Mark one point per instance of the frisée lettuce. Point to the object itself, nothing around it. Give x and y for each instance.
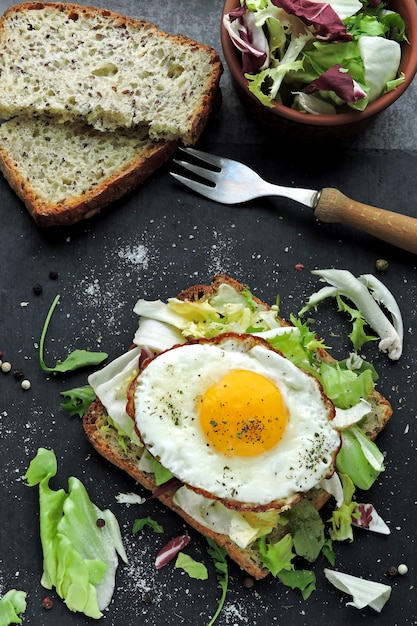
(315, 56)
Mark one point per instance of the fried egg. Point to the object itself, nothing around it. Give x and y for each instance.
(235, 420)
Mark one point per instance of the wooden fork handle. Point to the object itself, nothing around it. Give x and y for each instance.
(395, 228)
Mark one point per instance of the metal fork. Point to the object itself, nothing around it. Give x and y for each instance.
(231, 182)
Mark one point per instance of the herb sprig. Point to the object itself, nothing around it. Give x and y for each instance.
(76, 359)
(218, 556)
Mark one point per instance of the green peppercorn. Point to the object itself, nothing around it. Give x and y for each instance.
(381, 265)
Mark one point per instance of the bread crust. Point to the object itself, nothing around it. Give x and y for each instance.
(76, 208)
(105, 441)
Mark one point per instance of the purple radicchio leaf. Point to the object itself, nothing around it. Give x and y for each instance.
(326, 23)
(365, 516)
(146, 355)
(170, 550)
(337, 79)
(172, 483)
(248, 38)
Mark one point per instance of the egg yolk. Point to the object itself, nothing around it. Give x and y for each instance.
(243, 414)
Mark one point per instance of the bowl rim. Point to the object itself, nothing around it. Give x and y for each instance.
(409, 62)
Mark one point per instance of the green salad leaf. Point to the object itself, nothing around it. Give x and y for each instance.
(80, 399)
(359, 458)
(80, 542)
(218, 556)
(341, 518)
(139, 524)
(304, 580)
(11, 605)
(300, 347)
(306, 528)
(278, 557)
(192, 567)
(161, 474)
(345, 387)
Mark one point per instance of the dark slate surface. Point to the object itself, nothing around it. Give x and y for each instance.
(152, 244)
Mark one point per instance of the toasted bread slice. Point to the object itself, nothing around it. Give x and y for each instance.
(104, 439)
(74, 62)
(67, 172)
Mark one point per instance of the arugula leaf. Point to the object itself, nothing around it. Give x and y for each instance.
(305, 580)
(75, 360)
(139, 524)
(218, 555)
(80, 399)
(193, 568)
(328, 552)
(306, 528)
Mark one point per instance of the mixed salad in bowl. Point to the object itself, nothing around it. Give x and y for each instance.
(318, 57)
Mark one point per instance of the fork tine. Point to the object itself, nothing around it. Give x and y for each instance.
(203, 172)
(205, 156)
(201, 188)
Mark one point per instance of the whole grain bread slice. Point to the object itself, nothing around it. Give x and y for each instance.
(68, 172)
(74, 62)
(104, 438)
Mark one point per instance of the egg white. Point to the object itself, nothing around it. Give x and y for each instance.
(167, 420)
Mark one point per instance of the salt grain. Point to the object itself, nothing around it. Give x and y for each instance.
(137, 255)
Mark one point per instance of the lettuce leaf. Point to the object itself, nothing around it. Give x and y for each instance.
(359, 458)
(345, 387)
(192, 567)
(11, 604)
(79, 555)
(341, 518)
(300, 347)
(278, 557)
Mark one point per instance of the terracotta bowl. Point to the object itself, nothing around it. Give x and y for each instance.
(289, 123)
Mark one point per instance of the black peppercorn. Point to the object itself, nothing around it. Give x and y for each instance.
(37, 289)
